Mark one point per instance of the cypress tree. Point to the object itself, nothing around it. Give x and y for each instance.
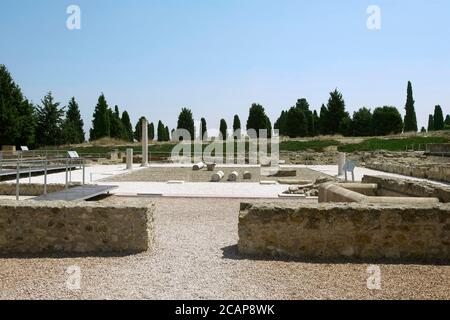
(236, 127)
(438, 118)
(447, 120)
(101, 125)
(167, 133)
(257, 118)
(73, 131)
(117, 130)
(151, 131)
(161, 131)
(223, 129)
(430, 123)
(335, 112)
(410, 122)
(203, 129)
(127, 126)
(186, 121)
(323, 118)
(49, 122)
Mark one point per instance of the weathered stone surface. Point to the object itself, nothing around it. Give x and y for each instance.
(31, 189)
(198, 166)
(345, 230)
(284, 173)
(233, 176)
(408, 187)
(329, 192)
(73, 227)
(216, 177)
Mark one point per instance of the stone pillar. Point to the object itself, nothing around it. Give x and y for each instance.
(144, 140)
(129, 159)
(341, 163)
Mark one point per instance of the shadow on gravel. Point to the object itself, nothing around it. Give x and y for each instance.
(67, 255)
(231, 252)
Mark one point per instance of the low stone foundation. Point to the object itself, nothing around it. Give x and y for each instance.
(389, 186)
(338, 230)
(31, 189)
(85, 227)
(438, 172)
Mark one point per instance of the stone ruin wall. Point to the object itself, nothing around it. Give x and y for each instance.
(345, 230)
(73, 227)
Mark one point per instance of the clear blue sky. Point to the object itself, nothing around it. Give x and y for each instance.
(153, 57)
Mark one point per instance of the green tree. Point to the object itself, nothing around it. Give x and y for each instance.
(101, 125)
(296, 124)
(323, 120)
(280, 123)
(167, 133)
(223, 129)
(438, 118)
(127, 126)
(430, 123)
(186, 121)
(346, 126)
(17, 115)
(410, 122)
(335, 112)
(203, 129)
(49, 122)
(237, 127)
(268, 127)
(151, 131)
(447, 120)
(116, 128)
(27, 124)
(73, 124)
(362, 122)
(386, 120)
(161, 132)
(138, 130)
(316, 123)
(257, 118)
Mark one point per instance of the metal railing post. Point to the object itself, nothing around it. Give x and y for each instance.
(67, 176)
(17, 180)
(45, 175)
(84, 170)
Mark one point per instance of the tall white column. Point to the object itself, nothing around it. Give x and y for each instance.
(341, 163)
(144, 143)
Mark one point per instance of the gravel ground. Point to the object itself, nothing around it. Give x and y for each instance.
(164, 174)
(195, 258)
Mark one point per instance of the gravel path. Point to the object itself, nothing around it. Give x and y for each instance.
(195, 258)
(164, 174)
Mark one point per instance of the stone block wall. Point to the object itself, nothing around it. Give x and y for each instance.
(389, 185)
(31, 189)
(338, 230)
(73, 227)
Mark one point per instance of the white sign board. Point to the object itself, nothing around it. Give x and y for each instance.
(24, 148)
(73, 154)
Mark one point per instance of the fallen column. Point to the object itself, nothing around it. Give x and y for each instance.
(233, 176)
(216, 177)
(198, 166)
(247, 175)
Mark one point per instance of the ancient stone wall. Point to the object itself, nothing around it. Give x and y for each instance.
(73, 227)
(337, 230)
(389, 186)
(438, 172)
(31, 189)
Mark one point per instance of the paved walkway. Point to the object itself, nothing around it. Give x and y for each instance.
(95, 173)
